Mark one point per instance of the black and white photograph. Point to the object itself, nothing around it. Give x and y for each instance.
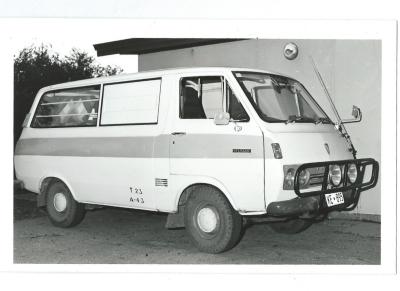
(262, 146)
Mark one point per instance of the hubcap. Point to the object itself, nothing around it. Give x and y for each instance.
(207, 219)
(60, 202)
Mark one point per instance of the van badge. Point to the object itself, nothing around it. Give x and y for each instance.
(241, 151)
(327, 148)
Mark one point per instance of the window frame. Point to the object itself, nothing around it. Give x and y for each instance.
(255, 106)
(66, 89)
(130, 81)
(225, 102)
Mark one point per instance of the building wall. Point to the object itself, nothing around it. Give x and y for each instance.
(351, 70)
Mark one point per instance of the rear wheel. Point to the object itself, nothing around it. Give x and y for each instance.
(211, 222)
(62, 209)
(291, 226)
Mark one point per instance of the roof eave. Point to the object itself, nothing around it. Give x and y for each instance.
(138, 46)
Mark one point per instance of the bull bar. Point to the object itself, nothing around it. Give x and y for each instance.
(313, 201)
(345, 186)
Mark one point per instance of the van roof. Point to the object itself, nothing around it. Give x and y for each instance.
(150, 74)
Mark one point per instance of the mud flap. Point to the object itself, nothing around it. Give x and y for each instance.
(176, 220)
(41, 199)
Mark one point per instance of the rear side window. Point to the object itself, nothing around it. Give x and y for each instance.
(131, 102)
(68, 108)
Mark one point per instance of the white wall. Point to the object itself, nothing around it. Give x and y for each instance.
(351, 69)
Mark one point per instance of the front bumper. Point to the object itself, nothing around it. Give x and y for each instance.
(310, 206)
(314, 203)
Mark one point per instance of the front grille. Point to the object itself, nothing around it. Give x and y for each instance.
(316, 176)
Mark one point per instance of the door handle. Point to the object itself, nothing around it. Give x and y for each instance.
(178, 133)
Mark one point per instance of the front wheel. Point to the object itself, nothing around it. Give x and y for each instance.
(62, 209)
(291, 226)
(211, 222)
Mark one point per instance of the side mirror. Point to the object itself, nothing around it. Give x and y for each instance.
(356, 112)
(222, 118)
(357, 115)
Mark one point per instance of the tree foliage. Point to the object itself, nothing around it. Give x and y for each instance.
(37, 66)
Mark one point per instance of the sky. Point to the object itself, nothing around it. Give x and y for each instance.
(74, 37)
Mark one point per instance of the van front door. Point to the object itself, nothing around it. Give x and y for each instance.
(229, 156)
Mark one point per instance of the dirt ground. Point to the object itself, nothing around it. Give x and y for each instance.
(120, 236)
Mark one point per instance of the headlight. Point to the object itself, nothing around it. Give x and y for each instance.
(335, 175)
(304, 177)
(352, 173)
(289, 179)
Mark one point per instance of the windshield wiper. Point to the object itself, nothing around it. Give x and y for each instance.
(292, 119)
(295, 118)
(322, 120)
(275, 85)
(270, 119)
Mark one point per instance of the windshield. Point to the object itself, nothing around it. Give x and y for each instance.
(280, 99)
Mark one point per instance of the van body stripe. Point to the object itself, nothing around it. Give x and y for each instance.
(189, 146)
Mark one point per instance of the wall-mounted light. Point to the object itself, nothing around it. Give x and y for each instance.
(290, 51)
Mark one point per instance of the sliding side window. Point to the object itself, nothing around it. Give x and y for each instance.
(68, 108)
(133, 102)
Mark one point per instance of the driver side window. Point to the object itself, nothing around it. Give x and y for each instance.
(204, 97)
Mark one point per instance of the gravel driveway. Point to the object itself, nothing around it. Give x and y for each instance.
(120, 236)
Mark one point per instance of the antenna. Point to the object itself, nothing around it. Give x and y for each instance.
(326, 92)
(339, 125)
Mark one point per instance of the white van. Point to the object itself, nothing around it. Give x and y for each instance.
(209, 146)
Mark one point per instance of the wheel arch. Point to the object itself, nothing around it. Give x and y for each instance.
(44, 185)
(176, 218)
(191, 188)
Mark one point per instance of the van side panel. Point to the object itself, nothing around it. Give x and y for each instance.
(110, 165)
(102, 167)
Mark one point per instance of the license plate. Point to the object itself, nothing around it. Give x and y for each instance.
(333, 199)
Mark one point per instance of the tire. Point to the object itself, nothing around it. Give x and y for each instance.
(62, 209)
(291, 226)
(211, 222)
